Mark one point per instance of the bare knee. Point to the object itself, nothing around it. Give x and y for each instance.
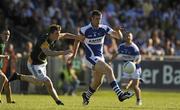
(5, 80)
(3, 77)
(108, 69)
(47, 82)
(6, 85)
(102, 67)
(135, 86)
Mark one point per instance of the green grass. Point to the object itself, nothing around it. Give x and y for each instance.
(102, 100)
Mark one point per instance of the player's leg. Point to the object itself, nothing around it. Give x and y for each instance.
(135, 85)
(95, 84)
(39, 72)
(97, 80)
(43, 81)
(31, 79)
(5, 84)
(125, 83)
(129, 84)
(51, 90)
(39, 77)
(8, 92)
(2, 81)
(137, 90)
(27, 78)
(102, 67)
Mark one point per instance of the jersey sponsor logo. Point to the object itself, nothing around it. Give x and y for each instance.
(95, 40)
(90, 35)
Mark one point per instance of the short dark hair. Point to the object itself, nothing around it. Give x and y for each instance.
(54, 27)
(95, 13)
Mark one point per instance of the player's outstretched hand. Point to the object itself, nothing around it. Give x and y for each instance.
(121, 28)
(7, 57)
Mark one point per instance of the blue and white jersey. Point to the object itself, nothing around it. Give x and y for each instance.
(129, 52)
(94, 41)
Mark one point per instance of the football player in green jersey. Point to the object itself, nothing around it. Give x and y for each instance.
(38, 59)
(4, 37)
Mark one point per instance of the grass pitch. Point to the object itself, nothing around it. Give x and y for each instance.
(102, 100)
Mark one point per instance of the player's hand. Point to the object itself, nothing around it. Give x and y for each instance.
(121, 28)
(7, 57)
(80, 38)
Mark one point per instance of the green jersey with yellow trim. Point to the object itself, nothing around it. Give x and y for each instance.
(37, 55)
(2, 48)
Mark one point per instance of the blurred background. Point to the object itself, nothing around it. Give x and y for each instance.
(155, 25)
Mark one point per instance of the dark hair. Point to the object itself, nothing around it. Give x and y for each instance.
(54, 27)
(95, 13)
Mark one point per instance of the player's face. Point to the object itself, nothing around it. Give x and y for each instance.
(5, 35)
(96, 20)
(56, 34)
(129, 38)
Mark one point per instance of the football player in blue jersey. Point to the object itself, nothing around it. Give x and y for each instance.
(94, 34)
(129, 51)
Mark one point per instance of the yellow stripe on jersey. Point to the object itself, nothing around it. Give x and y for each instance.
(45, 45)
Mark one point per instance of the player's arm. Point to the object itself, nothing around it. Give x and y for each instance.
(117, 33)
(75, 48)
(137, 59)
(47, 51)
(4, 56)
(71, 36)
(76, 44)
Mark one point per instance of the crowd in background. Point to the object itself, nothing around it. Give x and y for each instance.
(154, 23)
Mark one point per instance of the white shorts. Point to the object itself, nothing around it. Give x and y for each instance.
(91, 61)
(39, 71)
(135, 75)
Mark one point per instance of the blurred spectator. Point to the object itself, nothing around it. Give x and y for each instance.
(30, 17)
(147, 48)
(27, 50)
(177, 52)
(168, 46)
(69, 76)
(157, 43)
(9, 66)
(147, 7)
(110, 47)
